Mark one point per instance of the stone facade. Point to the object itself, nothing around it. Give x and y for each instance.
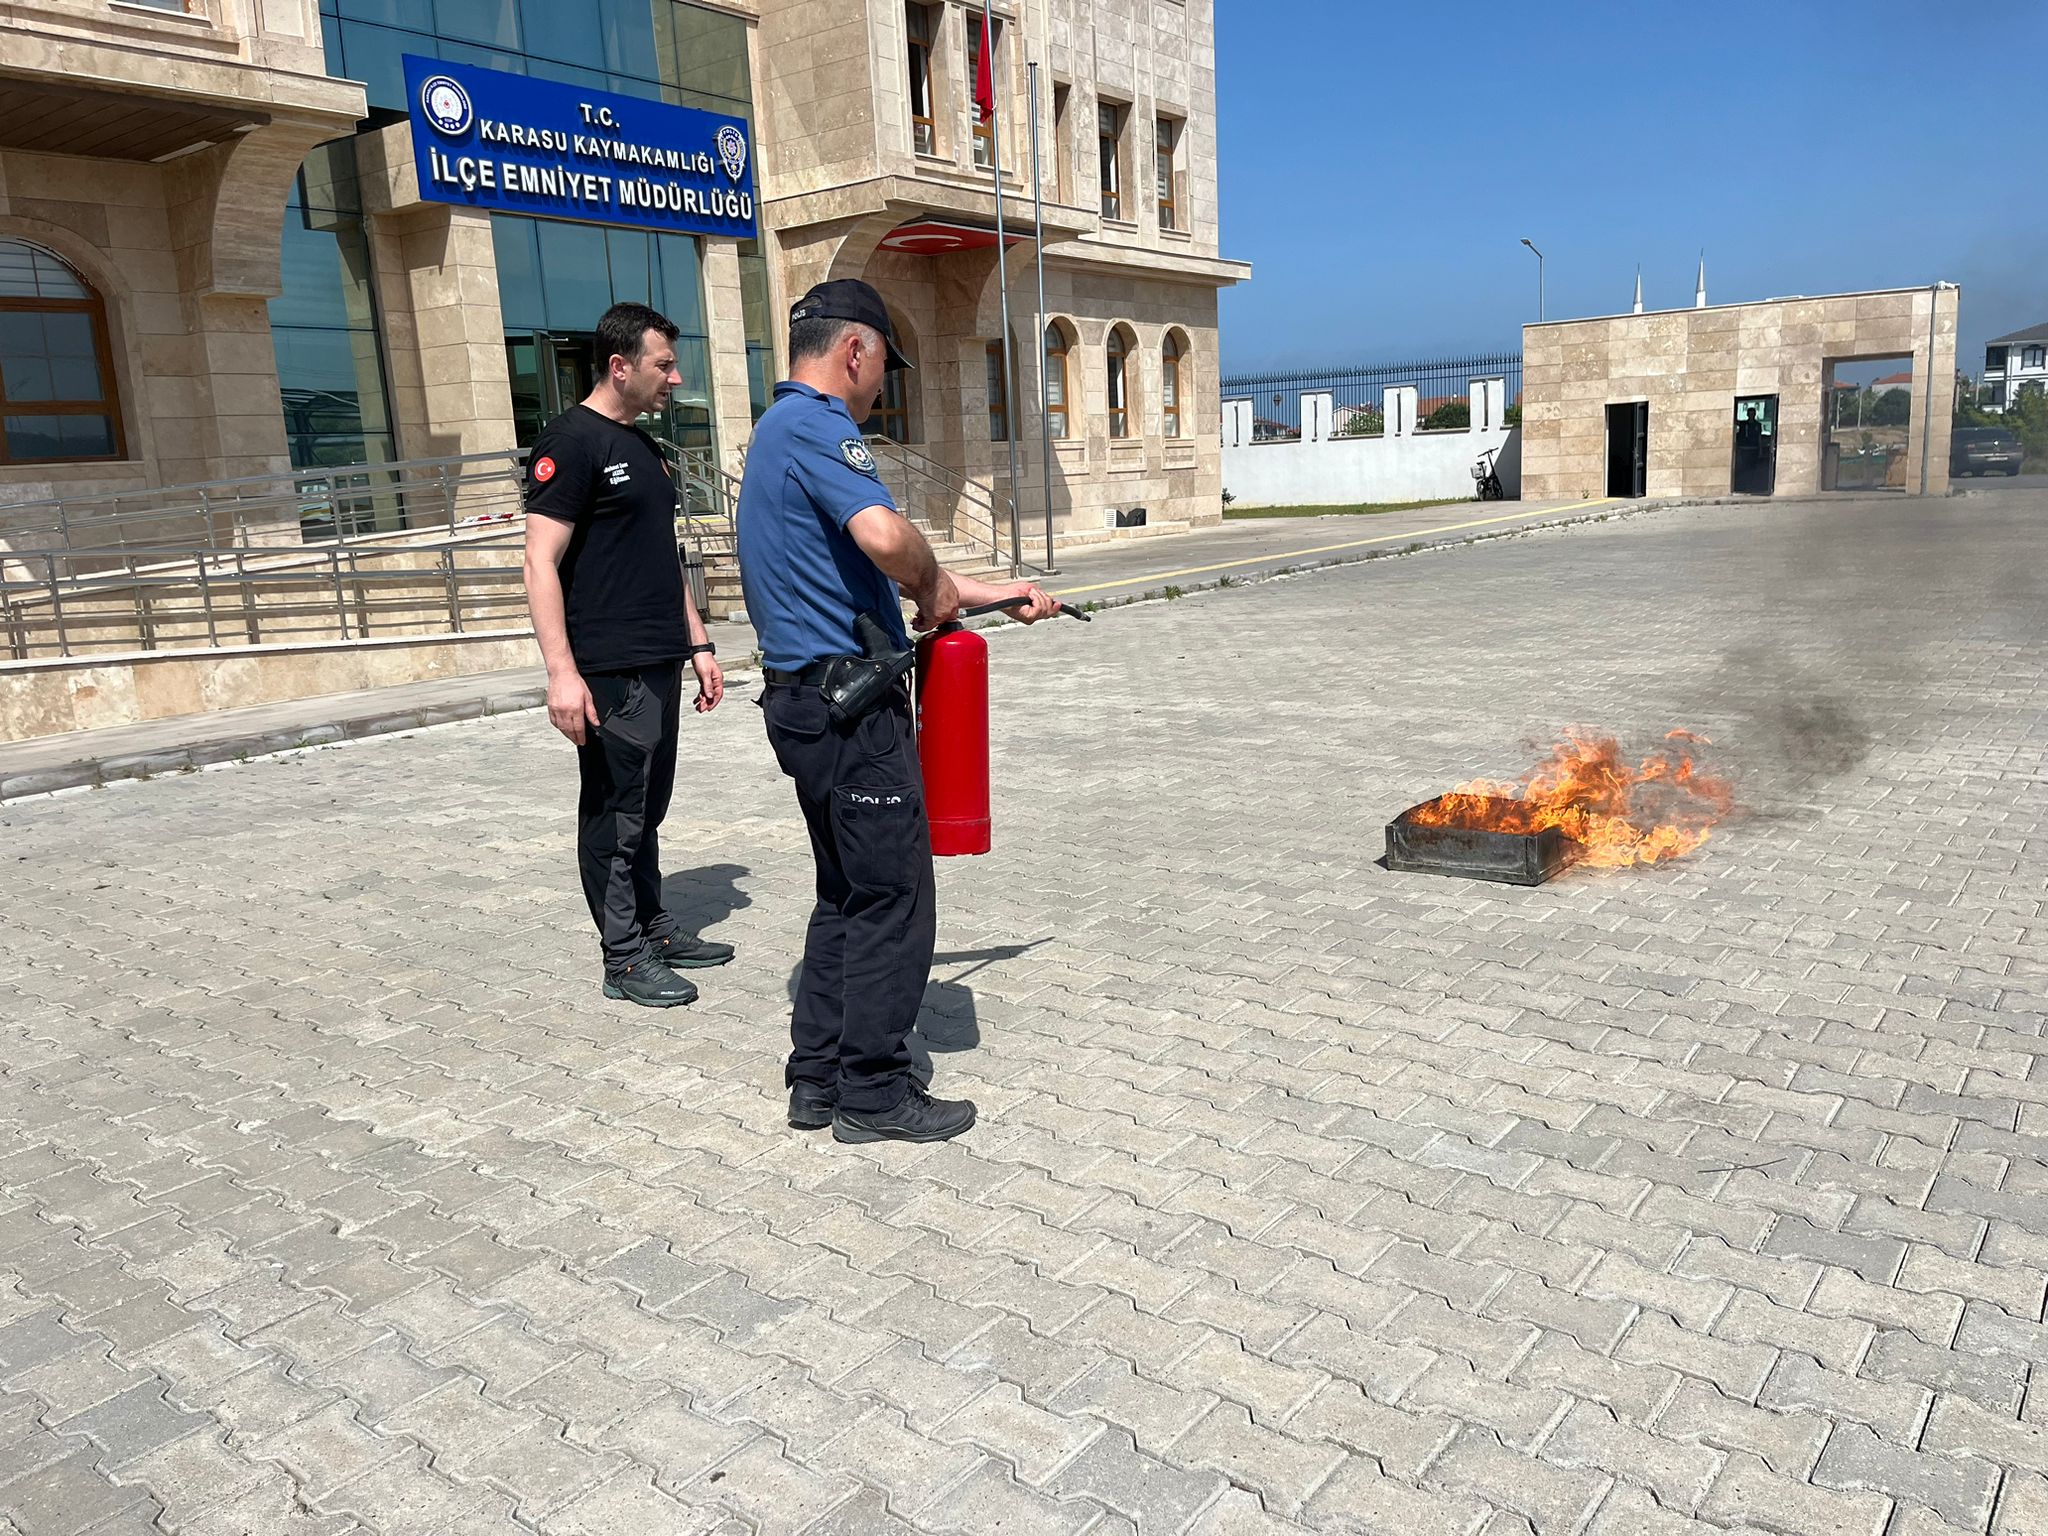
(185, 253)
(1690, 366)
(199, 120)
(842, 171)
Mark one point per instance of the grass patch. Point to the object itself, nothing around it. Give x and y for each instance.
(1361, 509)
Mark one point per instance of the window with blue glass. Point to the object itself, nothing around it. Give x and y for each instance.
(628, 46)
(556, 278)
(330, 364)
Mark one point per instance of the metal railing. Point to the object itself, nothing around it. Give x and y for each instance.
(281, 510)
(421, 547)
(964, 510)
(1357, 392)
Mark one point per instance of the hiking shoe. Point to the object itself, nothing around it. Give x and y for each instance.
(686, 951)
(919, 1117)
(811, 1106)
(650, 984)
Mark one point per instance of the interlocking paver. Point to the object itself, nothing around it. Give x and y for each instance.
(1304, 1197)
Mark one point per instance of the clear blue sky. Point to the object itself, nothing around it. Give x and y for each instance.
(1381, 162)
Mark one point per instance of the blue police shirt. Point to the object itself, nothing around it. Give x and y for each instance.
(808, 473)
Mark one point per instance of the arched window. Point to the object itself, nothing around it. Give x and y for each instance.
(999, 393)
(1118, 354)
(1056, 346)
(56, 369)
(1171, 350)
(891, 416)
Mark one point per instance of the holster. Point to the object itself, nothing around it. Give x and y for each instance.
(858, 685)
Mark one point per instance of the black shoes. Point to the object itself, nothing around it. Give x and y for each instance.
(811, 1107)
(650, 984)
(918, 1117)
(684, 951)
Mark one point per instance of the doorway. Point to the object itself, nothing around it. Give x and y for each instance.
(549, 372)
(1754, 471)
(553, 370)
(565, 370)
(1628, 448)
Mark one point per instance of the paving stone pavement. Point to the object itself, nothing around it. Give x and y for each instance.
(1306, 1196)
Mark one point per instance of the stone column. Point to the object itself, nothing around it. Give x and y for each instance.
(1397, 409)
(1237, 423)
(1318, 415)
(725, 319)
(437, 296)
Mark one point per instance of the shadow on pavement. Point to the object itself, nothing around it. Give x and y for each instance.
(947, 1020)
(701, 898)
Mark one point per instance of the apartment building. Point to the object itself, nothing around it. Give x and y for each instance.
(2012, 363)
(241, 235)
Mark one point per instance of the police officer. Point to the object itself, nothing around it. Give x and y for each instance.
(821, 542)
(615, 622)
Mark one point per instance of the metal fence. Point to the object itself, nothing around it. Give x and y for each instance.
(430, 546)
(1356, 392)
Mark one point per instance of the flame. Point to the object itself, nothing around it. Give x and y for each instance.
(1660, 809)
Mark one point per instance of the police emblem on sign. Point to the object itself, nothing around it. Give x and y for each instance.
(447, 106)
(732, 151)
(855, 452)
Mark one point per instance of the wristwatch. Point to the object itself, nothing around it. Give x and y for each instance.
(703, 648)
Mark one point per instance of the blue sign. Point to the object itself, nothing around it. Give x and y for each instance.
(482, 138)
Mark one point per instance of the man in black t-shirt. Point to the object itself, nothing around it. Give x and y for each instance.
(614, 620)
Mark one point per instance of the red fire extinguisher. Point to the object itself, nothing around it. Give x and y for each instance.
(952, 730)
(952, 737)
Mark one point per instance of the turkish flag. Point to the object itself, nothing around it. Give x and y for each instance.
(985, 74)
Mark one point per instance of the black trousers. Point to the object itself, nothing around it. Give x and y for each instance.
(868, 953)
(627, 765)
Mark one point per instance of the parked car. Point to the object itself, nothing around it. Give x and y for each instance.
(1984, 451)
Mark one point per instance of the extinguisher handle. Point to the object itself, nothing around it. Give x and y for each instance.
(1011, 602)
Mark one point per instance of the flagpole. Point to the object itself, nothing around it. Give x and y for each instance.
(995, 141)
(1038, 319)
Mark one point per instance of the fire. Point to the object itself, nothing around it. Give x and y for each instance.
(1659, 809)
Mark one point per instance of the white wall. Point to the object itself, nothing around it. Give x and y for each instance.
(1427, 466)
(1322, 470)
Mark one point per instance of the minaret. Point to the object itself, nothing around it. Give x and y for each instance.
(1699, 292)
(1639, 289)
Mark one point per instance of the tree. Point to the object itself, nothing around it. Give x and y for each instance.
(1452, 413)
(1889, 408)
(1363, 422)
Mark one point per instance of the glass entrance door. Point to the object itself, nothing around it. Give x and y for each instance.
(565, 370)
(1754, 471)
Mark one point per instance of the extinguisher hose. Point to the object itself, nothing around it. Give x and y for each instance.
(1013, 602)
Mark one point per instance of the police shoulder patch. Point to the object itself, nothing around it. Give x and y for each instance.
(855, 452)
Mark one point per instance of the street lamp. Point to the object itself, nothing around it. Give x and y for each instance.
(1539, 278)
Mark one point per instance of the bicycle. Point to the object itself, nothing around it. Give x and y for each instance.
(1490, 488)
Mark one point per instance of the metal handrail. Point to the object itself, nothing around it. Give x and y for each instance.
(337, 592)
(960, 487)
(411, 494)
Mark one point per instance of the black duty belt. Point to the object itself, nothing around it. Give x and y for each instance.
(812, 676)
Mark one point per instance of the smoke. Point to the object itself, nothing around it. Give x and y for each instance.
(1786, 729)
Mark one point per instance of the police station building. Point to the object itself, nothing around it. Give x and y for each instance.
(236, 238)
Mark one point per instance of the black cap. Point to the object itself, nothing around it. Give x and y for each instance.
(848, 298)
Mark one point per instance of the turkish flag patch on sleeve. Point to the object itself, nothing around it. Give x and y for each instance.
(543, 469)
